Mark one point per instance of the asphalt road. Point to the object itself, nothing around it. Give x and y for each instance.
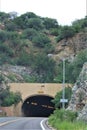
(21, 123)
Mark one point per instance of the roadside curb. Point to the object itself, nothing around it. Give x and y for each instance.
(45, 126)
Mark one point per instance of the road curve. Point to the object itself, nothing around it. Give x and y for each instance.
(21, 123)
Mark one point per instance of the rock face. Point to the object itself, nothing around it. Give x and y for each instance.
(68, 48)
(14, 73)
(79, 97)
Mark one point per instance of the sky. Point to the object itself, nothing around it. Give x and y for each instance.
(64, 11)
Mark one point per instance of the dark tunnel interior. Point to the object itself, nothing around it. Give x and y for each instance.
(38, 106)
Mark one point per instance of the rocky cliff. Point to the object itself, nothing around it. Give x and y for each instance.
(16, 73)
(79, 95)
(68, 48)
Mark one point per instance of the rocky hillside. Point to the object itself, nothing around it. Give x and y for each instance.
(79, 97)
(38, 44)
(69, 48)
(16, 74)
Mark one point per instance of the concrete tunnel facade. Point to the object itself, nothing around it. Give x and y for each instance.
(36, 98)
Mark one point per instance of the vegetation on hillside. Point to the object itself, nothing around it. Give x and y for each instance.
(66, 120)
(8, 98)
(59, 95)
(26, 40)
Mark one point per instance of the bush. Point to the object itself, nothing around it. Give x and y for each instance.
(72, 69)
(29, 33)
(66, 120)
(41, 40)
(4, 35)
(50, 23)
(8, 98)
(5, 49)
(49, 48)
(65, 115)
(44, 68)
(76, 66)
(56, 100)
(54, 31)
(22, 21)
(30, 78)
(80, 25)
(10, 26)
(1, 78)
(4, 59)
(35, 23)
(25, 59)
(65, 32)
(4, 17)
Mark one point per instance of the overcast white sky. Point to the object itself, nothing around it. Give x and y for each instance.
(65, 11)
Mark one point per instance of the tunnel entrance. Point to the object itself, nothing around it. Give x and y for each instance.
(38, 106)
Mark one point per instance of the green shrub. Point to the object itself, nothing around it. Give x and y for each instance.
(4, 35)
(30, 79)
(1, 78)
(65, 115)
(66, 120)
(5, 49)
(35, 23)
(50, 23)
(10, 26)
(4, 17)
(25, 59)
(44, 68)
(12, 77)
(49, 48)
(54, 31)
(72, 69)
(4, 58)
(80, 25)
(29, 33)
(76, 66)
(41, 40)
(56, 100)
(22, 21)
(9, 100)
(65, 32)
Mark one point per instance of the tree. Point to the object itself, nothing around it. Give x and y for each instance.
(13, 15)
(29, 20)
(4, 17)
(8, 98)
(80, 24)
(3, 36)
(50, 23)
(1, 78)
(44, 67)
(29, 33)
(58, 96)
(73, 69)
(25, 59)
(65, 32)
(35, 23)
(29, 15)
(10, 26)
(41, 40)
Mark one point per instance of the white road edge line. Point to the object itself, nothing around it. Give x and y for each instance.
(41, 123)
(7, 122)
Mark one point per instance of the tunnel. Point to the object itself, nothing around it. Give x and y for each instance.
(38, 106)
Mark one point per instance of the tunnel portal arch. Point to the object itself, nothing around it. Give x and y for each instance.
(38, 106)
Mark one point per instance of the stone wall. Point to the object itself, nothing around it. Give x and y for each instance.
(11, 111)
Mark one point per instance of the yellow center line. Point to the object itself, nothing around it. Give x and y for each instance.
(7, 122)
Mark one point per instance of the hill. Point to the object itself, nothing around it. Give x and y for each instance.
(39, 44)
